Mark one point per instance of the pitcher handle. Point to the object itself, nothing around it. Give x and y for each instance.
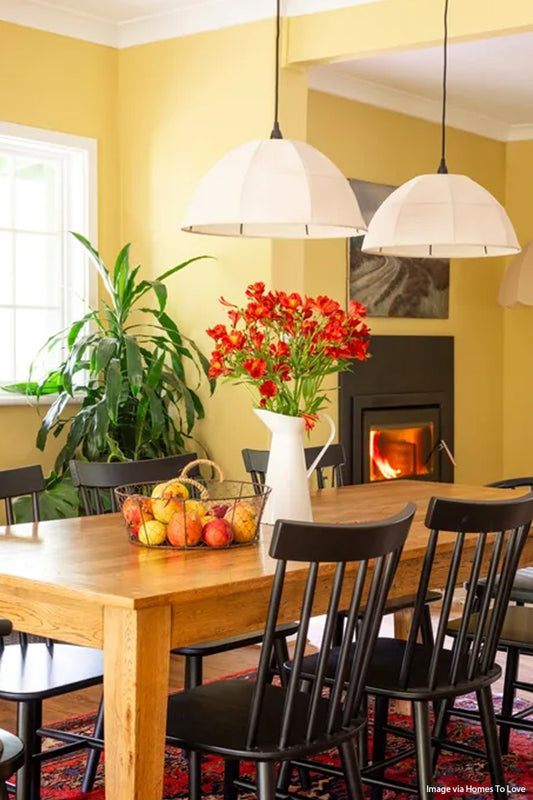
(331, 436)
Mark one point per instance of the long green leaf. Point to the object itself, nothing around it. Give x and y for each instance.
(134, 364)
(97, 261)
(120, 274)
(105, 350)
(54, 412)
(113, 388)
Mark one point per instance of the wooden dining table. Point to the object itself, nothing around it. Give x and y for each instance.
(82, 581)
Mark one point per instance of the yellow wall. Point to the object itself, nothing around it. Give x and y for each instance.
(517, 383)
(183, 104)
(163, 113)
(378, 145)
(65, 85)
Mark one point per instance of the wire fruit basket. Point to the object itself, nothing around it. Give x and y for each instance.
(187, 513)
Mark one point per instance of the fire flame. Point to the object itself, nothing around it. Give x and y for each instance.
(379, 460)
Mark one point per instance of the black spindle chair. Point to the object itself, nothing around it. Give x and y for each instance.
(266, 723)
(256, 463)
(11, 759)
(96, 481)
(407, 670)
(516, 639)
(32, 671)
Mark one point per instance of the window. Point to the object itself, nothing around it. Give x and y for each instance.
(47, 188)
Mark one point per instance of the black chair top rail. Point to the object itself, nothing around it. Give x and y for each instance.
(96, 479)
(513, 483)
(21, 481)
(362, 543)
(501, 528)
(256, 463)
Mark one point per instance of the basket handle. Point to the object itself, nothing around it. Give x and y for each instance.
(204, 494)
(184, 472)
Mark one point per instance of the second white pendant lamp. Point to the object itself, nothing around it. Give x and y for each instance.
(275, 188)
(441, 215)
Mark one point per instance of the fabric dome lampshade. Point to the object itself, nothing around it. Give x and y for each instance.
(441, 216)
(276, 188)
(516, 287)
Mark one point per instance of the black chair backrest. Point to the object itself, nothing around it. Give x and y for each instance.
(256, 463)
(18, 482)
(501, 528)
(513, 483)
(366, 556)
(96, 480)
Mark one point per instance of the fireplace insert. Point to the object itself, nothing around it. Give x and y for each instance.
(396, 411)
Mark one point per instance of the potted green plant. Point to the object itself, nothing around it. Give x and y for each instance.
(126, 379)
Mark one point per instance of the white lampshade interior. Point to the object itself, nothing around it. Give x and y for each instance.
(274, 188)
(441, 216)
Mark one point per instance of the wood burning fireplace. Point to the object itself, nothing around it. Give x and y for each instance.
(396, 411)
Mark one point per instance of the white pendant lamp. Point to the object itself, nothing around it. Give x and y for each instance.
(442, 215)
(516, 287)
(275, 188)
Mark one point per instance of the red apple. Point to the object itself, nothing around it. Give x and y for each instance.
(217, 533)
(219, 510)
(136, 510)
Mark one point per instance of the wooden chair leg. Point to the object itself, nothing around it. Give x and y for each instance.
(511, 676)
(490, 732)
(350, 767)
(379, 738)
(426, 629)
(29, 720)
(93, 757)
(423, 747)
(362, 739)
(3, 792)
(231, 773)
(266, 780)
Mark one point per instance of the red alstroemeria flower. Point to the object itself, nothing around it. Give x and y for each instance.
(310, 421)
(255, 312)
(217, 332)
(326, 305)
(291, 301)
(234, 316)
(255, 367)
(356, 309)
(217, 367)
(255, 290)
(268, 389)
(280, 350)
(235, 340)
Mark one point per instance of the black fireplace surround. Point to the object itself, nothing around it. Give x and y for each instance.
(408, 380)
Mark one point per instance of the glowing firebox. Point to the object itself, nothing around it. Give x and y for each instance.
(397, 451)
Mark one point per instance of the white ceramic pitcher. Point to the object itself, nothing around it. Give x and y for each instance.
(287, 474)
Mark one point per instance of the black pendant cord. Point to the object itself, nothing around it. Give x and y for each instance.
(276, 131)
(442, 166)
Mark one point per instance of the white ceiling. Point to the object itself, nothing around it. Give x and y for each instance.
(490, 85)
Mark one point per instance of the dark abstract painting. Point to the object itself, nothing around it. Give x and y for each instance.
(390, 286)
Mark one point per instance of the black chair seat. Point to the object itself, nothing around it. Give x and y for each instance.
(11, 754)
(39, 672)
(384, 672)
(234, 642)
(215, 718)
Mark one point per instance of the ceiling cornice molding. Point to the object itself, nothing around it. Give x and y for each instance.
(40, 15)
(341, 84)
(211, 15)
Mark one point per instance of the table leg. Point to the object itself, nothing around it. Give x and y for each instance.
(402, 623)
(136, 673)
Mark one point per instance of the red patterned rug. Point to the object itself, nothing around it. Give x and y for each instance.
(458, 776)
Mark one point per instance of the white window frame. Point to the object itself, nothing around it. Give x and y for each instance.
(83, 151)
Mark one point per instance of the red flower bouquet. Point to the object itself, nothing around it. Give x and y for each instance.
(282, 346)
